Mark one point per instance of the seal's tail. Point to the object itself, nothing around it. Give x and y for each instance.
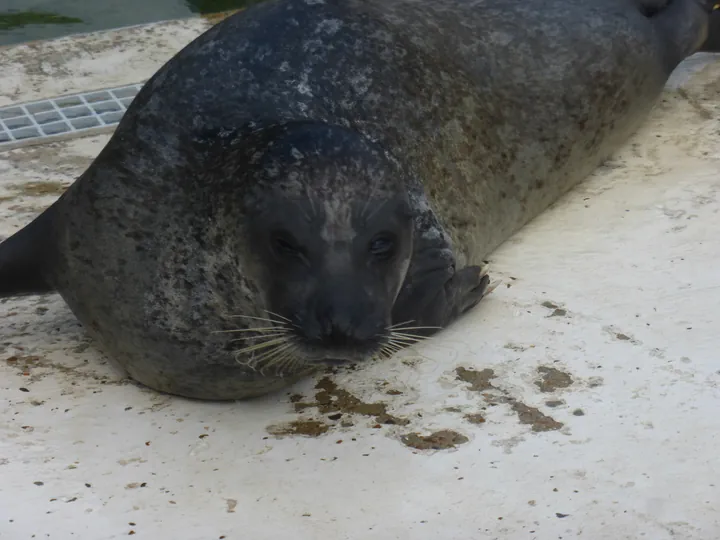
(24, 257)
(712, 43)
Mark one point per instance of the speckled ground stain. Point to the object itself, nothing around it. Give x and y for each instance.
(36, 368)
(480, 381)
(439, 440)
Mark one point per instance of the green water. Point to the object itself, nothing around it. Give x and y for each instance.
(28, 20)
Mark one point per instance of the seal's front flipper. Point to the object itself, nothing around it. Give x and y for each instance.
(24, 257)
(437, 296)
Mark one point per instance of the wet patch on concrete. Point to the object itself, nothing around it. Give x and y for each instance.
(517, 347)
(35, 368)
(439, 440)
(557, 310)
(40, 189)
(552, 379)
(214, 18)
(620, 335)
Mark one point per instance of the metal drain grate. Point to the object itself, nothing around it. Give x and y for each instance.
(65, 115)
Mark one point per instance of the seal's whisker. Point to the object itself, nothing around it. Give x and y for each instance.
(385, 352)
(260, 330)
(397, 345)
(400, 324)
(287, 323)
(393, 350)
(278, 362)
(403, 329)
(404, 344)
(265, 336)
(279, 347)
(281, 352)
(262, 345)
(277, 315)
(409, 337)
(266, 319)
(268, 359)
(287, 362)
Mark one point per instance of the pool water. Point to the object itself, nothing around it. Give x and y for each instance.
(29, 20)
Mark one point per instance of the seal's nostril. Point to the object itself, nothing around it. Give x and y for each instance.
(339, 338)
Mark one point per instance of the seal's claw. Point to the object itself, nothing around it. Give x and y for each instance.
(472, 283)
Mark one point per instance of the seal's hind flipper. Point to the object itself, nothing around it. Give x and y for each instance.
(24, 257)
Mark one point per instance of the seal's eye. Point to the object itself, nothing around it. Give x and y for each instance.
(284, 245)
(382, 246)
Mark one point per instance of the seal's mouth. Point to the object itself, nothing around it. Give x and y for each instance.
(333, 355)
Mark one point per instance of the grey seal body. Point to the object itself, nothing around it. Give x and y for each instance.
(309, 174)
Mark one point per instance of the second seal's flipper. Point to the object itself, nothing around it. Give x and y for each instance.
(682, 28)
(712, 43)
(25, 256)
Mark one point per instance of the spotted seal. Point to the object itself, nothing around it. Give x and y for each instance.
(318, 181)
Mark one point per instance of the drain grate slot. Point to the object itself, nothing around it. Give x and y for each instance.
(48, 119)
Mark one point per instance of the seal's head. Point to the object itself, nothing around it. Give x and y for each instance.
(331, 228)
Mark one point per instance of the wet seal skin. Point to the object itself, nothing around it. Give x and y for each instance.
(316, 182)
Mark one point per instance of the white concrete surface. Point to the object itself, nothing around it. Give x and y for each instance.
(627, 263)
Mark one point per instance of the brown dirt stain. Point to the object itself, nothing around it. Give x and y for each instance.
(439, 440)
(307, 428)
(475, 418)
(535, 418)
(479, 380)
(330, 399)
(552, 379)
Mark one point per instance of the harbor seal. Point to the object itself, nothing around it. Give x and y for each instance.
(318, 181)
